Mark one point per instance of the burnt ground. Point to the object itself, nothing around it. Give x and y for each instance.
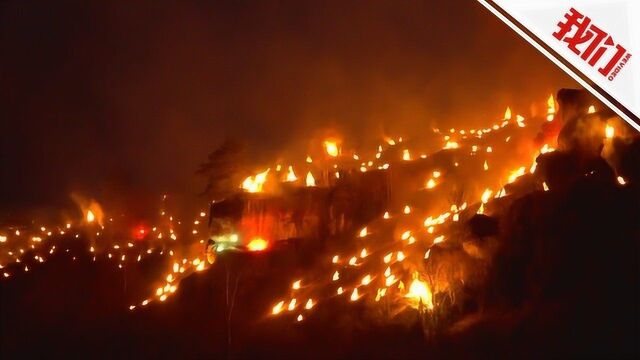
(564, 285)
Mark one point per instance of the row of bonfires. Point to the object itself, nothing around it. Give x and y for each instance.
(397, 225)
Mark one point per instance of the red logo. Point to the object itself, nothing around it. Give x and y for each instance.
(597, 44)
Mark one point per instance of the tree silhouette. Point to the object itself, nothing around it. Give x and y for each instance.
(223, 169)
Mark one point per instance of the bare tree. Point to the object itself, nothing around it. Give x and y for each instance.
(224, 169)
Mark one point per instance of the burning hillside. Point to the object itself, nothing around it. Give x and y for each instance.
(527, 224)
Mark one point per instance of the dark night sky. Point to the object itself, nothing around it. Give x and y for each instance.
(137, 95)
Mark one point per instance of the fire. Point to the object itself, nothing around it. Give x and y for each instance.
(609, 132)
(516, 174)
(451, 145)
(406, 210)
(485, 195)
(354, 294)
(551, 108)
(291, 176)
(363, 232)
(277, 309)
(485, 166)
(366, 280)
(310, 181)
(292, 304)
(591, 109)
(254, 184)
(419, 293)
(257, 244)
(406, 156)
(507, 114)
(296, 285)
(331, 147)
(621, 180)
(90, 216)
(309, 304)
(431, 184)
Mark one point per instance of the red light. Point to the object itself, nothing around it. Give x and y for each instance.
(140, 232)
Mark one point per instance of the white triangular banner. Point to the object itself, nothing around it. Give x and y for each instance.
(597, 42)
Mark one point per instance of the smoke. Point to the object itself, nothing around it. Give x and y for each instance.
(105, 98)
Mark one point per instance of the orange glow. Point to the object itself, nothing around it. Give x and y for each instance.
(310, 181)
(291, 176)
(254, 184)
(257, 244)
(331, 147)
(609, 132)
(507, 114)
(90, 216)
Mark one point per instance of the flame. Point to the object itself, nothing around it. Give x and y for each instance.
(507, 114)
(90, 216)
(451, 145)
(516, 174)
(485, 166)
(551, 108)
(406, 210)
(485, 195)
(309, 304)
(309, 159)
(296, 285)
(363, 232)
(354, 294)
(419, 293)
(310, 181)
(257, 244)
(331, 147)
(366, 280)
(291, 176)
(591, 109)
(621, 180)
(406, 156)
(431, 184)
(609, 131)
(277, 309)
(254, 184)
(336, 276)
